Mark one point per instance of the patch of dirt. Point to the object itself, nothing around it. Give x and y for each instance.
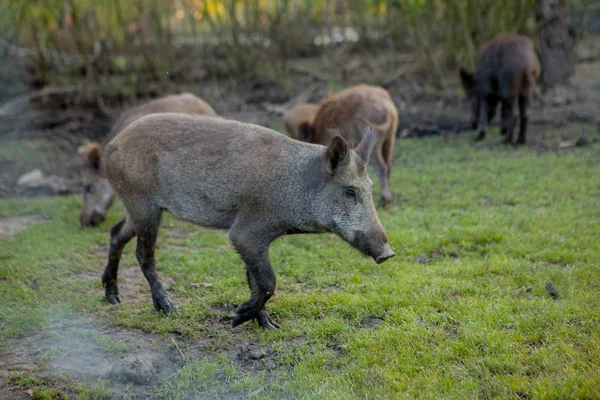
(370, 322)
(131, 361)
(10, 226)
(253, 356)
(7, 393)
(102, 250)
(333, 287)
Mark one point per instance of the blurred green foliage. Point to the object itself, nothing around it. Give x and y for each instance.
(237, 37)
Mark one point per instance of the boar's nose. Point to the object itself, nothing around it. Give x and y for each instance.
(385, 254)
(91, 220)
(96, 219)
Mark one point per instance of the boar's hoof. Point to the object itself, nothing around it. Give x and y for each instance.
(111, 291)
(265, 321)
(164, 304)
(113, 298)
(263, 318)
(384, 202)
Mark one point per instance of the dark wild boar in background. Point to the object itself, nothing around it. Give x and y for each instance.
(298, 115)
(98, 195)
(350, 111)
(506, 72)
(255, 182)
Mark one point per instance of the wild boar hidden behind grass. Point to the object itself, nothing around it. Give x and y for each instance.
(98, 195)
(255, 182)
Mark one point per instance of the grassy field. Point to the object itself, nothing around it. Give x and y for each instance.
(461, 312)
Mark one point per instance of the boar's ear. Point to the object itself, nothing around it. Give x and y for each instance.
(91, 155)
(467, 78)
(336, 154)
(306, 132)
(366, 146)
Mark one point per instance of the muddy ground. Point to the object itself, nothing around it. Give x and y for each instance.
(134, 363)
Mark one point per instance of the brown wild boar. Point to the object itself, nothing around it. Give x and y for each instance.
(506, 72)
(298, 115)
(350, 110)
(255, 182)
(98, 195)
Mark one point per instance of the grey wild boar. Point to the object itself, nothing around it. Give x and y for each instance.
(255, 182)
(298, 115)
(351, 110)
(506, 72)
(98, 195)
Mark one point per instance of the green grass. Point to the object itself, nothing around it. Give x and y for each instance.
(45, 389)
(463, 310)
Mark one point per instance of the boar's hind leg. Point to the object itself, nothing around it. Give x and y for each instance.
(147, 230)
(523, 103)
(253, 248)
(482, 115)
(120, 235)
(383, 173)
(508, 119)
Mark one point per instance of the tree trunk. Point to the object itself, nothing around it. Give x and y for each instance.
(557, 40)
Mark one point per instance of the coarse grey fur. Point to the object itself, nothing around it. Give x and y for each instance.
(255, 182)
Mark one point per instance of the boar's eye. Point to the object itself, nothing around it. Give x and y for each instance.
(88, 188)
(350, 192)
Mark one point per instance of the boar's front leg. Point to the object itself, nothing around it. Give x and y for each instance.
(252, 243)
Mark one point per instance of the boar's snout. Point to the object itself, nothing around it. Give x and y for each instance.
(374, 244)
(94, 219)
(386, 254)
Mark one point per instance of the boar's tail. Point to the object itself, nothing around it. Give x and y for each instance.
(381, 128)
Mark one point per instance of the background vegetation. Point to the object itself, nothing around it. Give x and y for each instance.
(122, 44)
